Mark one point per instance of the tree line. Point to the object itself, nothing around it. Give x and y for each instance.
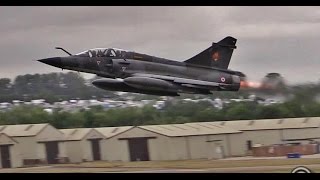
(303, 102)
(174, 112)
(55, 87)
(52, 87)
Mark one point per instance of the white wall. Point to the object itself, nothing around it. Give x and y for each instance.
(114, 150)
(62, 149)
(15, 155)
(301, 133)
(16, 159)
(41, 151)
(28, 147)
(174, 148)
(218, 146)
(215, 150)
(87, 150)
(266, 137)
(74, 151)
(167, 148)
(49, 133)
(87, 147)
(197, 147)
(237, 144)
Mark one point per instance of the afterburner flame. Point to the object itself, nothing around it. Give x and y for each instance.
(250, 84)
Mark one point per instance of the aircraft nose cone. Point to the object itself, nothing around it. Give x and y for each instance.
(56, 61)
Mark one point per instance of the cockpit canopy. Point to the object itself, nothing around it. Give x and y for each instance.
(103, 52)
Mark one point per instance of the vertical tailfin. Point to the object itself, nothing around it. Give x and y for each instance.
(218, 55)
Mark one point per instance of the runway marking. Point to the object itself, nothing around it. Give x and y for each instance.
(166, 171)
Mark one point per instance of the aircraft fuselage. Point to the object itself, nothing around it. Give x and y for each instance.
(134, 72)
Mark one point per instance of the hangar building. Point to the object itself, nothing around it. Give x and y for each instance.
(38, 143)
(82, 144)
(275, 131)
(169, 142)
(29, 144)
(9, 152)
(111, 148)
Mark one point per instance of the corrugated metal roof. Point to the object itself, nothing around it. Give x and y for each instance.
(75, 134)
(4, 134)
(109, 132)
(22, 129)
(263, 124)
(189, 129)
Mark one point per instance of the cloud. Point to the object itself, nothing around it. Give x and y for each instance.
(270, 39)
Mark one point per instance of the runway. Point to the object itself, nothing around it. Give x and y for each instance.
(257, 169)
(231, 165)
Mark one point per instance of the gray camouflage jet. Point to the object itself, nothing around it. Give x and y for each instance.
(129, 71)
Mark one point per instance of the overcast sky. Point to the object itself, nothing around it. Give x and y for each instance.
(270, 39)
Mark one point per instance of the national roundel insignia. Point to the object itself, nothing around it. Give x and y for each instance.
(223, 79)
(215, 56)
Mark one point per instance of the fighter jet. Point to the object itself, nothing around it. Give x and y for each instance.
(130, 71)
